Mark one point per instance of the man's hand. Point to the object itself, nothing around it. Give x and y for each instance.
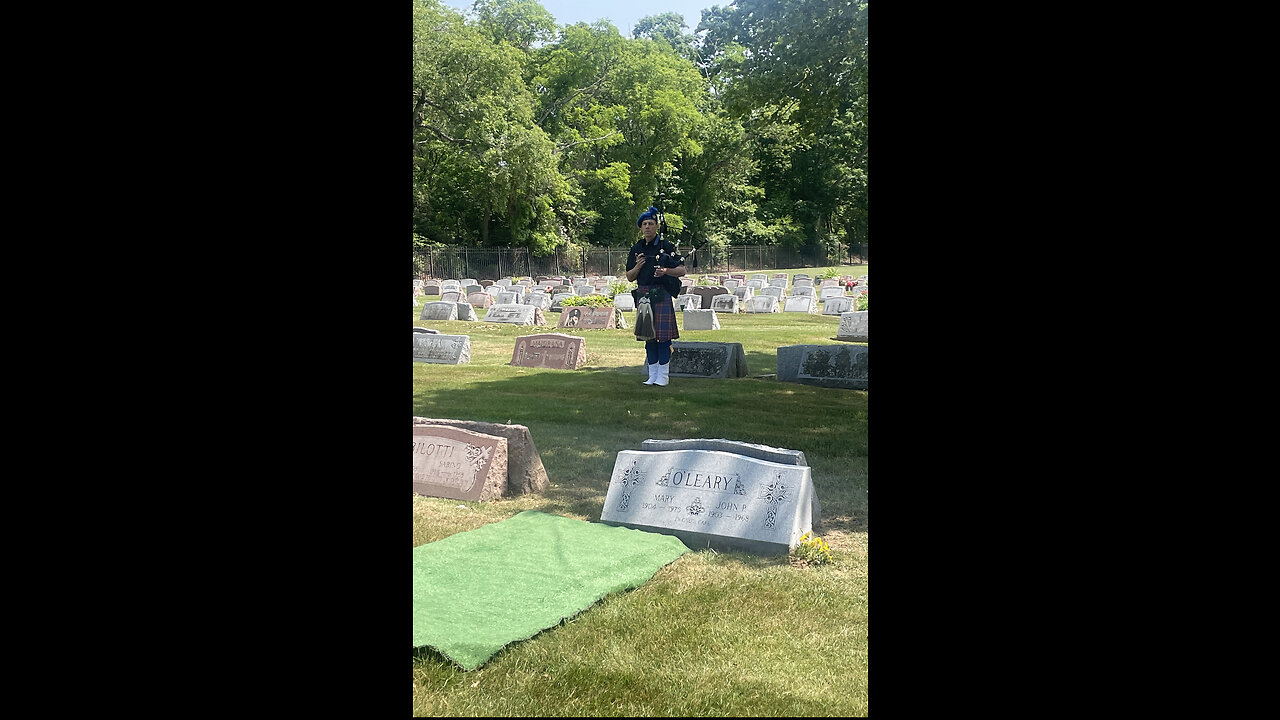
(659, 271)
(640, 259)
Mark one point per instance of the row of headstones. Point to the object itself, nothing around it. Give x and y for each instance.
(837, 366)
(584, 317)
(716, 493)
(470, 285)
(696, 318)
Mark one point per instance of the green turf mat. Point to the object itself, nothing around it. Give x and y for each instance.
(477, 591)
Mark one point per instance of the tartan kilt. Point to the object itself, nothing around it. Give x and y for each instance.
(664, 318)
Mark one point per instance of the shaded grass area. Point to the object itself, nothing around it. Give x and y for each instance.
(712, 634)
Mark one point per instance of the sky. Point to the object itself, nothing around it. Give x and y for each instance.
(623, 15)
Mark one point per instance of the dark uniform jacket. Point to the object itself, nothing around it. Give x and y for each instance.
(659, 252)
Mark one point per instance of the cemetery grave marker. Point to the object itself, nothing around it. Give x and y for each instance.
(525, 472)
(550, 350)
(774, 291)
(624, 302)
(707, 359)
(439, 310)
(515, 314)
(854, 326)
(435, 347)
(458, 464)
(711, 499)
(801, 304)
(762, 304)
(540, 299)
(701, 319)
(759, 452)
(725, 303)
(557, 300)
(834, 366)
(837, 305)
(589, 318)
(465, 311)
(452, 296)
(688, 302)
(481, 299)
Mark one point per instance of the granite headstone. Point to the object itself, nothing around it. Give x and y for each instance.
(515, 314)
(550, 350)
(459, 464)
(711, 499)
(833, 366)
(701, 320)
(441, 349)
(707, 359)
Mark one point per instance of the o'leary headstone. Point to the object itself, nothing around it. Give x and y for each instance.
(707, 498)
(707, 359)
(515, 314)
(450, 462)
(854, 326)
(550, 350)
(834, 366)
(441, 349)
(759, 452)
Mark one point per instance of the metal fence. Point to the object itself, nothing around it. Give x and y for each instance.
(495, 263)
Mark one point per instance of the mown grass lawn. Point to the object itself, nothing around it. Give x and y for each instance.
(712, 634)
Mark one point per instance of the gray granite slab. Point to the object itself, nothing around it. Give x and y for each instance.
(725, 303)
(762, 304)
(837, 305)
(439, 310)
(711, 499)
(701, 320)
(854, 326)
(707, 359)
(833, 366)
(441, 349)
(800, 304)
(759, 452)
(515, 314)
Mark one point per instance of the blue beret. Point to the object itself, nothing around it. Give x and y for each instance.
(650, 214)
